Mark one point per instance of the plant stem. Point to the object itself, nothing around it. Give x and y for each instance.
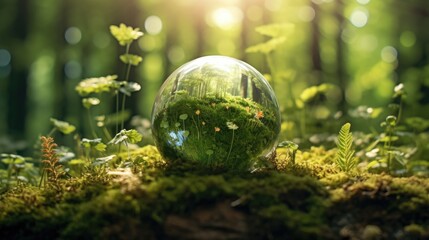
(90, 123)
(107, 134)
(51, 132)
(230, 147)
(117, 112)
(127, 75)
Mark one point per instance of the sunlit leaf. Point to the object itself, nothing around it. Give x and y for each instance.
(124, 34)
(62, 126)
(266, 47)
(129, 87)
(93, 143)
(309, 93)
(131, 59)
(126, 136)
(275, 30)
(103, 160)
(97, 85)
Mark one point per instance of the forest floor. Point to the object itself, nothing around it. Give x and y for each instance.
(150, 199)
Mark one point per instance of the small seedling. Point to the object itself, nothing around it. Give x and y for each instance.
(291, 147)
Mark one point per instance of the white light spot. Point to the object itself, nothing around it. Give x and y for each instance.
(153, 25)
(359, 18)
(389, 54)
(73, 35)
(227, 18)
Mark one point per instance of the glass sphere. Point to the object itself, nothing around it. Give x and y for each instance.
(216, 111)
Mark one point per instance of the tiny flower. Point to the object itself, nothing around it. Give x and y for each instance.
(198, 112)
(124, 34)
(259, 114)
(217, 129)
(231, 125)
(203, 123)
(227, 107)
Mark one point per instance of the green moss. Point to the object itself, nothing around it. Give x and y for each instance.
(219, 133)
(294, 202)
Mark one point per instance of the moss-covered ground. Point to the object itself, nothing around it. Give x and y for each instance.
(310, 199)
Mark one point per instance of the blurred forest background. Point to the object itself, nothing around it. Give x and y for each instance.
(363, 47)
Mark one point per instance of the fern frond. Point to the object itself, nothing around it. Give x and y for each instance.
(345, 155)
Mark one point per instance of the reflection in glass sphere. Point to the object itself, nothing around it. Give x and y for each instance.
(216, 111)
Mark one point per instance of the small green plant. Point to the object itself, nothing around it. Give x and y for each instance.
(291, 149)
(126, 36)
(345, 158)
(232, 126)
(126, 137)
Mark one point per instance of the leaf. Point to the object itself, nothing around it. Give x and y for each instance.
(289, 145)
(97, 85)
(64, 127)
(345, 155)
(309, 93)
(266, 47)
(88, 143)
(186, 133)
(89, 102)
(128, 87)
(124, 34)
(131, 59)
(183, 116)
(103, 160)
(276, 29)
(101, 147)
(126, 136)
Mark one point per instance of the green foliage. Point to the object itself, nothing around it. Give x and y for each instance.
(95, 144)
(278, 33)
(131, 59)
(345, 158)
(64, 127)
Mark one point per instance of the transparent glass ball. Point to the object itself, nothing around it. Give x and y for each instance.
(217, 112)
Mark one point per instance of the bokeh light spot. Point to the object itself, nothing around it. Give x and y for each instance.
(73, 69)
(153, 25)
(227, 18)
(389, 54)
(4, 57)
(359, 18)
(363, 2)
(176, 54)
(73, 35)
(306, 14)
(408, 39)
